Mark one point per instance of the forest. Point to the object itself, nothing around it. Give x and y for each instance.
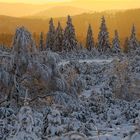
(61, 89)
(115, 20)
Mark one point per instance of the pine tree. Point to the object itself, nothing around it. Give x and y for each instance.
(116, 43)
(50, 35)
(41, 43)
(89, 39)
(126, 44)
(53, 124)
(103, 37)
(58, 38)
(81, 46)
(70, 42)
(133, 42)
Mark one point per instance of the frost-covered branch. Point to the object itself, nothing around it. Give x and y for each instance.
(42, 97)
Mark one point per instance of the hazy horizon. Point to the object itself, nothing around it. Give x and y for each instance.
(31, 7)
(35, 15)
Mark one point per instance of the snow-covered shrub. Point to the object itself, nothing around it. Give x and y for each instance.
(131, 113)
(72, 136)
(53, 126)
(8, 122)
(79, 84)
(81, 89)
(67, 101)
(28, 124)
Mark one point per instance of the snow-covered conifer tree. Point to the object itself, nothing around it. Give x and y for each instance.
(26, 128)
(81, 46)
(53, 126)
(50, 35)
(126, 44)
(41, 43)
(116, 43)
(89, 39)
(133, 41)
(23, 48)
(103, 37)
(58, 38)
(69, 42)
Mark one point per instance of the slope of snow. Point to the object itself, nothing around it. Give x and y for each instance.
(99, 61)
(53, 109)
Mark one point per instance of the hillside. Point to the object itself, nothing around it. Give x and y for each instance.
(10, 9)
(60, 11)
(121, 20)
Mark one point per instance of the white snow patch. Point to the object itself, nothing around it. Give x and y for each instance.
(63, 63)
(99, 61)
(87, 93)
(105, 137)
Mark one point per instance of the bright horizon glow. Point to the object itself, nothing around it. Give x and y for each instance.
(95, 5)
(91, 4)
(35, 6)
(75, 1)
(34, 1)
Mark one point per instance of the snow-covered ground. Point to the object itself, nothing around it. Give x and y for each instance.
(99, 61)
(88, 98)
(84, 107)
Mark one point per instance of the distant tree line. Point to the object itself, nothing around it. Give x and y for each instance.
(59, 39)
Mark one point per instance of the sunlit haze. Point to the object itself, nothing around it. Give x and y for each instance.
(35, 15)
(95, 5)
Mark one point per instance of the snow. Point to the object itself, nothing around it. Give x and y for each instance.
(78, 97)
(106, 137)
(136, 137)
(99, 61)
(86, 93)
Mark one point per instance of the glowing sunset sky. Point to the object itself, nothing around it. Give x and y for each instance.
(34, 1)
(91, 4)
(82, 1)
(10, 7)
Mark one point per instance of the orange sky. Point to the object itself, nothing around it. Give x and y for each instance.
(8, 7)
(91, 4)
(34, 1)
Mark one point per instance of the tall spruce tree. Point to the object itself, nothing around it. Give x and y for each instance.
(89, 39)
(50, 35)
(41, 42)
(81, 46)
(70, 42)
(116, 43)
(133, 41)
(125, 46)
(103, 37)
(59, 35)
